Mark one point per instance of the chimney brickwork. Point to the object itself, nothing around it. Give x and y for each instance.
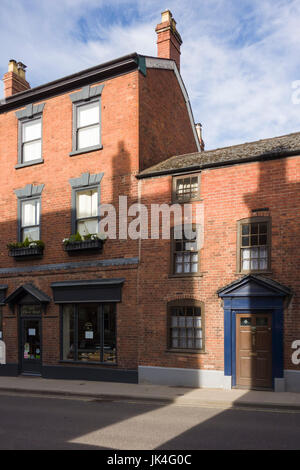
(168, 38)
(15, 79)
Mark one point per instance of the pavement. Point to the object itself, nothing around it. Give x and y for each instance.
(111, 391)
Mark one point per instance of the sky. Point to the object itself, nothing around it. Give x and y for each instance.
(239, 59)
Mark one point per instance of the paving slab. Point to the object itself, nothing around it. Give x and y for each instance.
(145, 392)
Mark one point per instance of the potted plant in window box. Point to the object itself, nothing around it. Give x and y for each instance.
(26, 249)
(89, 242)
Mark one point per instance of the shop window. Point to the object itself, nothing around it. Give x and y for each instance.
(89, 333)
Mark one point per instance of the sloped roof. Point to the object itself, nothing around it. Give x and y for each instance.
(27, 289)
(265, 149)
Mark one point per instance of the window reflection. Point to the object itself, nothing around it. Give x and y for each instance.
(89, 333)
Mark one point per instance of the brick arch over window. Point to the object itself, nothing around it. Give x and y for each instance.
(185, 325)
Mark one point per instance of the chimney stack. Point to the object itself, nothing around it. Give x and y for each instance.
(168, 38)
(15, 80)
(198, 127)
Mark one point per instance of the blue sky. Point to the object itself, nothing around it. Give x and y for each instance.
(239, 58)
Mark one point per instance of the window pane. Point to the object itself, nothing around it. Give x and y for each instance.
(109, 317)
(263, 264)
(178, 268)
(246, 264)
(174, 332)
(88, 137)
(263, 228)
(263, 239)
(254, 240)
(187, 267)
(87, 203)
(30, 213)
(194, 268)
(88, 114)
(254, 264)
(246, 253)
(245, 241)
(190, 332)
(245, 229)
(32, 233)
(32, 130)
(88, 333)
(86, 227)
(68, 332)
(263, 252)
(32, 151)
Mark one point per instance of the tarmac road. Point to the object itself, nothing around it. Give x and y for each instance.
(31, 422)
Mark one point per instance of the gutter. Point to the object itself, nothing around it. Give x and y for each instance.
(188, 169)
(92, 75)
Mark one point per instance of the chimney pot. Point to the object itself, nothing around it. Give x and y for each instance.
(166, 16)
(198, 128)
(12, 66)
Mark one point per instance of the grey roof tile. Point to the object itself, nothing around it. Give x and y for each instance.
(266, 148)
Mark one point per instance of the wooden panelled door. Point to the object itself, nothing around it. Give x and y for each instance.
(254, 350)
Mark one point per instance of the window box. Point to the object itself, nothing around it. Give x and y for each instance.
(26, 252)
(84, 245)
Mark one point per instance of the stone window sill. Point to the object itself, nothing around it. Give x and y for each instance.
(33, 162)
(184, 276)
(86, 150)
(185, 352)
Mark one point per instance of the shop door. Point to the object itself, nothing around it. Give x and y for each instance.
(31, 348)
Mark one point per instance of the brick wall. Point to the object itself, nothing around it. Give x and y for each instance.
(228, 194)
(165, 128)
(129, 139)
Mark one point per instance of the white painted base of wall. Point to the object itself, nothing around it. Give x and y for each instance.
(279, 385)
(184, 377)
(292, 380)
(199, 378)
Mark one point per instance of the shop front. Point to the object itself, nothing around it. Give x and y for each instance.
(82, 334)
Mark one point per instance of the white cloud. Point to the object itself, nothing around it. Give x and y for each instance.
(238, 60)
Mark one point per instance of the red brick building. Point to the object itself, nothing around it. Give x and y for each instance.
(68, 147)
(220, 310)
(225, 311)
